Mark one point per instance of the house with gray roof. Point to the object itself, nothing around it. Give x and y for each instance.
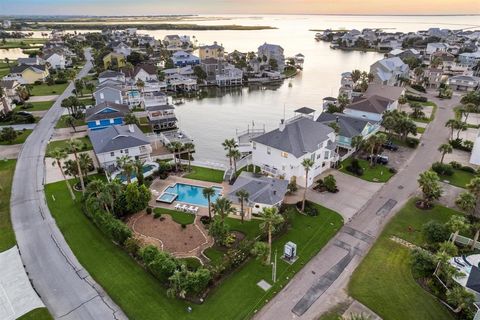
(389, 71)
(280, 152)
(464, 83)
(370, 108)
(272, 52)
(105, 114)
(116, 141)
(108, 93)
(263, 192)
(349, 127)
(111, 75)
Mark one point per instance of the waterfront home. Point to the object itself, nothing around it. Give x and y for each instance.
(55, 60)
(391, 92)
(433, 77)
(404, 54)
(111, 75)
(146, 40)
(370, 108)
(327, 101)
(108, 93)
(212, 67)
(433, 47)
(184, 71)
(299, 59)
(230, 76)
(144, 72)
(214, 51)
(182, 59)
(122, 48)
(28, 74)
(173, 40)
(161, 117)
(280, 152)
(178, 82)
(114, 60)
(154, 98)
(263, 192)
(105, 114)
(447, 59)
(389, 71)
(469, 59)
(272, 52)
(349, 39)
(33, 61)
(349, 127)
(346, 85)
(389, 44)
(116, 141)
(464, 83)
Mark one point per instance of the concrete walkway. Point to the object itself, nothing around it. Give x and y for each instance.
(305, 297)
(17, 297)
(19, 127)
(43, 98)
(10, 152)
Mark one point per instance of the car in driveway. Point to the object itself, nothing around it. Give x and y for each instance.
(389, 145)
(378, 158)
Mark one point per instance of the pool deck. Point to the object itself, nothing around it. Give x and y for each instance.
(159, 185)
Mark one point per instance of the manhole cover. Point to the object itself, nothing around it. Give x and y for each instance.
(400, 187)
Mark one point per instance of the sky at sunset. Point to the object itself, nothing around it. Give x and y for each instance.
(152, 7)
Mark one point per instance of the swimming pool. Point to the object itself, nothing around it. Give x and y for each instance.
(191, 194)
(167, 197)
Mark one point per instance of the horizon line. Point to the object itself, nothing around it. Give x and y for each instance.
(246, 14)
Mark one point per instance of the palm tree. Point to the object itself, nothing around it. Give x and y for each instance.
(127, 165)
(456, 225)
(307, 164)
(242, 195)
(209, 193)
(461, 126)
(452, 124)
(466, 201)
(175, 147)
(130, 118)
(138, 168)
(431, 188)
(97, 193)
(234, 154)
(357, 143)
(189, 148)
(114, 188)
(228, 145)
(460, 298)
(474, 188)
(271, 218)
(74, 146)
(140, 84)
(467, 109)
(59, 155)
(444, 149)
(371, 144)
(223, 207)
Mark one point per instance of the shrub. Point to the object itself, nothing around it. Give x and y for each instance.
(132, 246)
(416, 98)
(184, 226)
(38, 82)
(27, 106)
(163, 266)
(148, 253)
(310, 209)
(412, 142)
(443, 169)
(205, 220)
(459, 144)
(292, 185)
(355, 168)
(418, 87)
(330, 183)
(149, 210)
(455, 165)
(113, 228)
(468, 169)
(157, 214)
(423, 263)
(392, 170)
(435, 232)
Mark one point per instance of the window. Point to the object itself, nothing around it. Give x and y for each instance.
(112, 121)
(112, 153)
(269, 151)
(254, 146)
(102, 96)
(327, 155)
(312, 157)
(126, 151)
(97, 122)
(285, 154)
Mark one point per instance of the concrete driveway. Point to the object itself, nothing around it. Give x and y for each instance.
(10, 152)
(353, 195)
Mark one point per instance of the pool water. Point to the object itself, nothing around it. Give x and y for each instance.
(146, 168)
(167, 197)
(192, 194)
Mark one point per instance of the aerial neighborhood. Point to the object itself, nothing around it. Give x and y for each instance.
(219, 212)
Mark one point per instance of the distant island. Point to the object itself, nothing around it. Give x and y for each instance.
(149, 26)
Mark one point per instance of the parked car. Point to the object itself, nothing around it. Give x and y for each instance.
(389, 145)
(378, 158)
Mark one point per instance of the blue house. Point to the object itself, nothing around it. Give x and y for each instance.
(106, 114)
(182, 59)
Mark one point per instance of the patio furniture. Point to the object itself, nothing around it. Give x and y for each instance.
(191, 209)
(184, 207)
(178, 206)
(458, 262)
(466, 261)
(195, 211)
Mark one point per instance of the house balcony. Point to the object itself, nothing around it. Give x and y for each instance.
(269, 170)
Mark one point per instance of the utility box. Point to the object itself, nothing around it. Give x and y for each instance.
(290, 251)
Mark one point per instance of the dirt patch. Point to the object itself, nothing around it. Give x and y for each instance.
(167, 234)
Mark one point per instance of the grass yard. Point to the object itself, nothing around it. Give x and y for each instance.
(205, 174)
(141, 296)
(22, 136)
(63, 124)
(420, 130)
(46, 90)
(4, 69)
(52, 145)
(177, 216)
(144, 125)
(40, 106)
(426, 104)
(87, 101)
(7, 236)
(384, 282)
(378, 173)
(459, 178)
(37, 314)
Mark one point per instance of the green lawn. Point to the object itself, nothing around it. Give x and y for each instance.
(23, 43)
(459, 178)
(144, 125)
(205, 174)
(7, 236)
(177, 216)
(41, 105)
(46, 90)
(37, 314)
(22, 136)
(378, 173)
(420, 130)
(63, 124)
(87, 101)
(434, 110)
(141, 297)
(384, 282)
(52, 145)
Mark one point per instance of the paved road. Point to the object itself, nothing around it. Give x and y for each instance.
(63, 284)
(19, 127)
(323, 281)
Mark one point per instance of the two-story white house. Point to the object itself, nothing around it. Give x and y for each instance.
(280, 152)
(389, 71)
(272, 52)
(56, 60)
(116, 141)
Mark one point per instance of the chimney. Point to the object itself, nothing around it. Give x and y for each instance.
(131, 128)
(281, 127)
